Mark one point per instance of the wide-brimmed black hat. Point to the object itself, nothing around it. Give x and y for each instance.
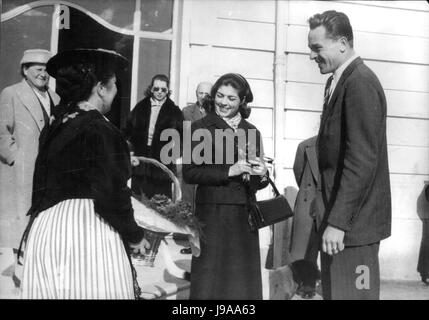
(99, 57)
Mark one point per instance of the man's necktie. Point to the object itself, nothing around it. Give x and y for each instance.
(327, 91)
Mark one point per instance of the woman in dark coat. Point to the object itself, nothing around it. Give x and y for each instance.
(82, 221)
(229, 266)
(146, 122)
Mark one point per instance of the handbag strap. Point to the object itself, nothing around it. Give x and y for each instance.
(277, 193)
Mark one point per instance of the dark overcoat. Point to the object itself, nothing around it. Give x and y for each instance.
(229, 266)
(352, 153)
(137, 129)
(308, 208)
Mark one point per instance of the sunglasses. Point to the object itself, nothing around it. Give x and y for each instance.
(156, 89)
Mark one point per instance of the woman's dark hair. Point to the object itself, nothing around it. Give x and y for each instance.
(337, 25)
(160, 77)
(239, 83)
(75, 82)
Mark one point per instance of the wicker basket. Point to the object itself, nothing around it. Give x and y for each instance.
(155, 237)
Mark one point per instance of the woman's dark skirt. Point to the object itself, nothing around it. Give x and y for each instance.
(229, 267)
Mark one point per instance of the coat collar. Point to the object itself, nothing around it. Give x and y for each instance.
(166, 108)
(212, 119)
(196, 111)
(310, 150)
(31, 103)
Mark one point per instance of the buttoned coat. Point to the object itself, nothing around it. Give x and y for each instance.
(229, 266)
(308, 208)
(21, 122)
(352, 157)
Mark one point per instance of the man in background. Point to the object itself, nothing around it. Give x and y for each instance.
(196, 111)
(193, 113)
(25, 110)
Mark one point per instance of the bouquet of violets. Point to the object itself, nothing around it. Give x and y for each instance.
(179, 212)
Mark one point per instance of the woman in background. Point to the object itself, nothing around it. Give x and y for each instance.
(81, 216)
(155, 113)
(229, 266)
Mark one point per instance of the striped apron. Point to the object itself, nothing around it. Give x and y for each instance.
(73, 253)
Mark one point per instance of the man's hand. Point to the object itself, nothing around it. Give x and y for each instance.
(332, 240)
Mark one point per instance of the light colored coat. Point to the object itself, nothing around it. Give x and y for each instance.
(21, 121)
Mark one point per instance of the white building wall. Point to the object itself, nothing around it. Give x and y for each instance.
(393, 39)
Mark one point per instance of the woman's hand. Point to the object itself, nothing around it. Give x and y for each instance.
(258, 166)
(140, 247)
(239, 167)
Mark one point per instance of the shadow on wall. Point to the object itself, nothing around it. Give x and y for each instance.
(423, 213)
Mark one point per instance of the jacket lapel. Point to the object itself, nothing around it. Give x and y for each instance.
(55, 98)
(31, 103)
(194, 115)
(312, 161)
(339, 87)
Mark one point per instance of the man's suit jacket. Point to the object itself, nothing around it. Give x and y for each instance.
(307, 210)
(192, 113)
(21, 122)
(352, 153)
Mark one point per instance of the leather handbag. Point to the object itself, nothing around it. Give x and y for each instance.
(267, 212)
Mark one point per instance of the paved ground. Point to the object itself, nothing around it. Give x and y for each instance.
(157, 283)
(390, 290)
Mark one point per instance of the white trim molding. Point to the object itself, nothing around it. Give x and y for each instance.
(132, 32)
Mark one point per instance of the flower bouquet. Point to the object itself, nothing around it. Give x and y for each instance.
(161, 215)
(179, 212)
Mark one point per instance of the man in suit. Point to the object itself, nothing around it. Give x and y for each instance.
(352, 153)
(196, 111)
(193, 113)
(25, 109)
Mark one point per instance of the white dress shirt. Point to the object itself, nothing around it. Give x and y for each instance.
(337, 73)
(45, 100)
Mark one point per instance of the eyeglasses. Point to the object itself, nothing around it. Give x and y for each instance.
(156, 89)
